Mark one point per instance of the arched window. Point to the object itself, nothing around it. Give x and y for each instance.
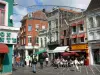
(98, 21)
(91, 22)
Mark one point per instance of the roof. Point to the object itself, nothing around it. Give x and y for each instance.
(94, 4)
(67, 10)
(40, 15)
(36, 15)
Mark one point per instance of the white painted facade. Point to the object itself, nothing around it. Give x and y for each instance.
(43, 39)
(93, 31)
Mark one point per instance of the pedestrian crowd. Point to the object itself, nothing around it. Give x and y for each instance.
(63, 62)
(56, 62)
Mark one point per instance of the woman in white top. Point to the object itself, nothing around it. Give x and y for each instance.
(76, 64)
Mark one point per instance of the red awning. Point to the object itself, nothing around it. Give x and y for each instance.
(74, 36)
(74, 53)
(80, 22)
(74, 24)
(4, 48)
(81, 35)
(62, 37)
(65, 54)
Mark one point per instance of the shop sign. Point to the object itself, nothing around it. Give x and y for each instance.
(79, 47)
(8, 37)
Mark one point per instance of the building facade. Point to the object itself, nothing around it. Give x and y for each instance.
(8, 35)
(79, 36)
(43, 39)
(93, 27)
(28, 36)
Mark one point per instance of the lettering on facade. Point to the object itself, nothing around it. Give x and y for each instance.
(79, 47)
(7, 37)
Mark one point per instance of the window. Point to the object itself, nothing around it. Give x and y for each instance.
(64, 32)
(41, 42)
(98, 32)
(45, 41)
(81, 27)
(37, 40)
(74, 28)
(56, 23)
(91, 22)
(37, 27)
(29, 27)
(2, 14)
(91, 36)
(43, 27)
(82, 39)
(98, 21)
(30, 15)
(29, 39)
(74, 40)
(49, 25)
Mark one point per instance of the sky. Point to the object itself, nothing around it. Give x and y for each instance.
(23, 7)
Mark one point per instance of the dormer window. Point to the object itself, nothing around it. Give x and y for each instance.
(30, 15)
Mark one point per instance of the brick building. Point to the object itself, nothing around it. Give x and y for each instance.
(32, 23)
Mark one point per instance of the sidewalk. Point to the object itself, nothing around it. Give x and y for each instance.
(6, 74)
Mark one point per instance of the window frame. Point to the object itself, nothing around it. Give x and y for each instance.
(29, 28)
(2, 9)
(29, 39)
(81, 38)
(73, 29)
(81, 26)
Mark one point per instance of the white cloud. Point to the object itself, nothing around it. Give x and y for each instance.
(17, 24)
(19, 12)
(23, 11)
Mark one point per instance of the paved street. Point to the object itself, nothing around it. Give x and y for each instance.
(84, 70)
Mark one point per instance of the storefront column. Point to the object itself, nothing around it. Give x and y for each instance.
(26, 57)
(90, 56)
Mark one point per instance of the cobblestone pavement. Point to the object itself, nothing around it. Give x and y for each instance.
(84, 70)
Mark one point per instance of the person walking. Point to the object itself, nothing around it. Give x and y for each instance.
(34, 62)
(47, 60)
(30, 61)
(41, 63)
(76, 64)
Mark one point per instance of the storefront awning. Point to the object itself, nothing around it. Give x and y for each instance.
(41, 51)
(74, 24)
(4, 48)
(81, 35)
(74, 36)
(81, 22)
(61, 49)
(62, 37)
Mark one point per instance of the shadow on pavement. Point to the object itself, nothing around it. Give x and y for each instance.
(13, 69)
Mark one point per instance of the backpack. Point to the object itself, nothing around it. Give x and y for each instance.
(34, 61)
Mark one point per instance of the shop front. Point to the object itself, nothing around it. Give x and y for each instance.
(5, 58)
(94, 53)
(7, 39)
(82, 50)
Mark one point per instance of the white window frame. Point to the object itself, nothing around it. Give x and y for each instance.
(28, 27)
(29, 43)
(37, 27)
(6, 13)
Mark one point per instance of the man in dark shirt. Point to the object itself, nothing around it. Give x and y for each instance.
(34, 62)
